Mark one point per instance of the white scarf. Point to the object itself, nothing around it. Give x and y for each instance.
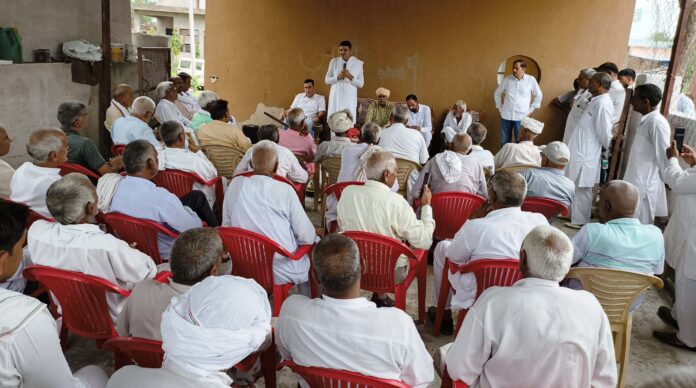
(360, 173)
(106, 187)
(450, 165)
(20, 309)
(215, 325)
(124, 111)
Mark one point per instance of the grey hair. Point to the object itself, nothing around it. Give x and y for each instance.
(549, 253)
(604, 79)
(143, 105)
(588, 73)
(378, 163)
(68, 112)
(162, 88)
(510, 187)
(478, 133)
(194, 254)
(400, 113)
(169, 131)
(206, 98)
(68, 197)
(295, 117)
(460, 104)
(371, 133)
(259, 162)
(136, 154)
(336, 261)
(44, 141)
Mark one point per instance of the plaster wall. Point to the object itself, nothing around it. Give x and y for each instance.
(441, 50)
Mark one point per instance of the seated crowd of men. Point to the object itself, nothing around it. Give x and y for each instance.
(208, 320)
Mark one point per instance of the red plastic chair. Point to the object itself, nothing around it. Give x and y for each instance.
(67, 168)
(34, 216)
(337, 189)
(488, 272)
(460, 384)
(142, 232)
(298, 187)
(82, 300)
(548, 207)
(252, 258)
(333, 378)
(378, 256)
(139, 351)
(181, 183)
(117, 149)
(451, 210)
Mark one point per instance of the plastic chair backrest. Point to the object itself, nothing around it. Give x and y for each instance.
(491, 272)
(67, 168)
(82, 299)
(145, 353)
(334, 378)
(548, 207)
(337, 188)
(403, 170)
(117, 149)
(330, 167)
(140, 231)
(224, 158)
(177, 182)
(451, 210)
(378, 256)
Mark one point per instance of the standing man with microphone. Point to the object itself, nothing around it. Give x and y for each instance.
(345, 75)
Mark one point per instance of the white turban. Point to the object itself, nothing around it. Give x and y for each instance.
(215, 325)
(106, 187)
(450, 166)
(535, 126)
(341, 121)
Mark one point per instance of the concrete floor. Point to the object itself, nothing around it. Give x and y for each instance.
(649, 358)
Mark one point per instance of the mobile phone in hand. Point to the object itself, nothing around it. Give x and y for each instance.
(679, 133)
(345, 64)
(426, 181)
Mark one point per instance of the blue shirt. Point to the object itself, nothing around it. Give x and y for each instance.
(130, 128)
(551, 183)
(140, 198)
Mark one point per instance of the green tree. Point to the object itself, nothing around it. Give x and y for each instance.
(176, 43)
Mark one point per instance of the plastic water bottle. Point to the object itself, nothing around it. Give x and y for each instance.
(604, 176)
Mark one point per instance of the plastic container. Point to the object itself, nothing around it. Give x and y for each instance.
(118, 52)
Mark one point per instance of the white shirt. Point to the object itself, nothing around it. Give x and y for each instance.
(404, 143)
(288, 165)
(591, 134)
(194, 162)
(679, 242)
(87, 249)
(6, 173)
(422, 118)
(132, 376)
(309, 105)
(354, 335)
(515, 154)
(271, 208)
(579, 105)
(166, 110)
(189, 101)
(459, 126)
(518, 93)
(534, 334)
(498, 235)
(646, 160)
(128, 129)
(29, 185)
(617, 93)
(344, 92)
(484, 156)
(29, 344)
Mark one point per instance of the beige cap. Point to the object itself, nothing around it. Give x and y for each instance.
(535, 126)
(383, 92)
(557, 152)
(341, 121)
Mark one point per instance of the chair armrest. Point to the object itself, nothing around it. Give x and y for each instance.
(301, 251)
(211, 182)
(163, 277)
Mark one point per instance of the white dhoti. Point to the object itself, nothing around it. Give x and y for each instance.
(582, 206)
(684, 310)
(463, 284)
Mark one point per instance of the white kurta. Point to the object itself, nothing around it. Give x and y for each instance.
(194, 162)
(288, 165)
(534, 334)
(645, 162)
(354, 335)
(29, 185)
(344, 92)
(591, 134)
(617, 93)
(424, 119)
(484, 157)
(459, 126)
(579, 105)
(166, 110)
(404, 143)
(271, 208)
(30, 348)
(166, 377)
(518, 154)
(86, 248)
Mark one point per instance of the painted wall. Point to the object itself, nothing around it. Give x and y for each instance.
(441, 50)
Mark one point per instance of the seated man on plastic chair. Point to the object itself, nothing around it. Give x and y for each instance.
(343, 330)
(288, 165)
(29, 342)
(268, 207)
(375, 208)
(549, 180)
(498, 235)
(535, 333)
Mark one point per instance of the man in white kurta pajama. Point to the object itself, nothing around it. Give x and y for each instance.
(647, 157)
(591, 134)
(680, 250)
(345, 76)
(580, 101)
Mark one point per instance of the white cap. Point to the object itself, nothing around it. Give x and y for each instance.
(341, 121)
(449, 134)
(557, 152)
(535, 126)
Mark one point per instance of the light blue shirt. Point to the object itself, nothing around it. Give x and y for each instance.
(549, 183)
(128, 129)
(140, 198)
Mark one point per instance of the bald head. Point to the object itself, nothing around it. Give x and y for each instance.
(618, 199)
(264, 160)
(47, 145)
(461, 143)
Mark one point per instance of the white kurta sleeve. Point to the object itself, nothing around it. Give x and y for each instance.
(580, 242)
(498, 93)
(419, 233)
(603, 123)
(661, 142)
(296, 173)
(321, 107)
(536, 93)
(470, 351)
(604, 373)
(302, 227)
(416, 188)
(176, 216)
(358, 80)
(424, 155)
(296, 101)
(427, 125)
(680, 181)
(418, 370)
(331, 74)
(459, 251)
(130, 266)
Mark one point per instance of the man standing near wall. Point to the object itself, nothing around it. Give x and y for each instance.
(345, 76)
(518, 88)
